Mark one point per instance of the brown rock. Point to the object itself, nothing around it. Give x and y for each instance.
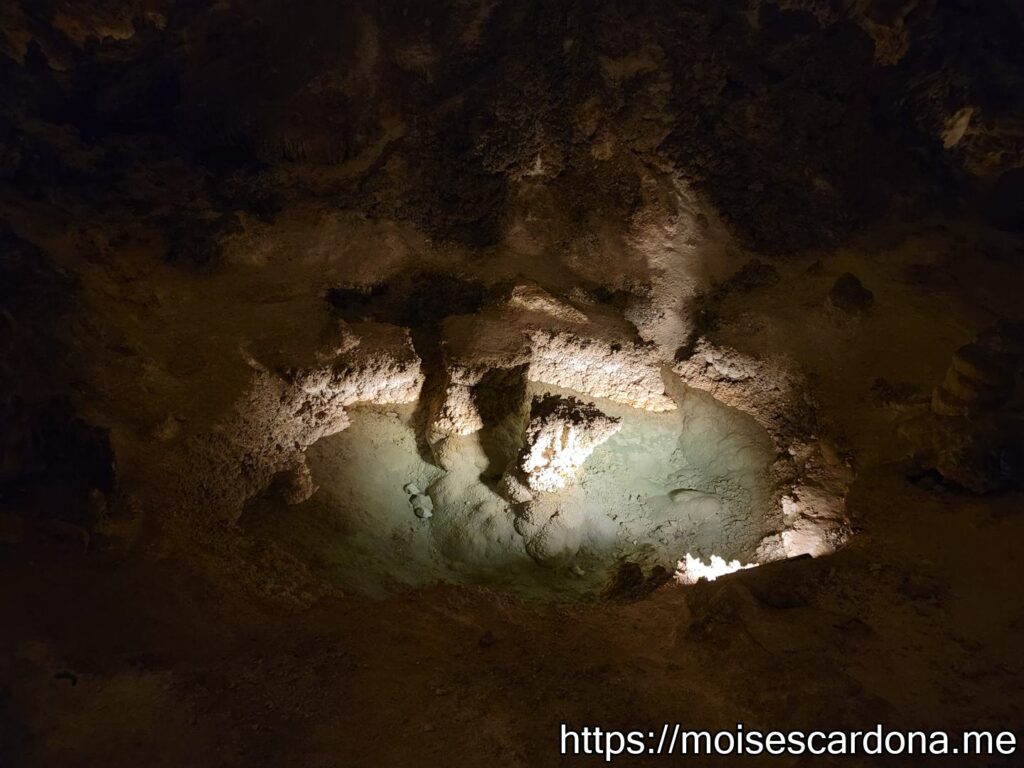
(849, 295)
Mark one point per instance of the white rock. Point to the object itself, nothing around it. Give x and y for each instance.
(422, 506)
(561, 435)
(623, 371)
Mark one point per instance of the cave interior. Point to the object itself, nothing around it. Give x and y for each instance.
(392, 383)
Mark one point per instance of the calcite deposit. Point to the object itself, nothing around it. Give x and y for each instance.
(282, 414)
(536, 338)
(561, 435)
(811, 481)
(771, 390)
(626, 372)
(367, 367)
(972, 433)
(533, 298)
(374, 363)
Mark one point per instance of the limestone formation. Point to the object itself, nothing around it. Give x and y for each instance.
(812, 480)
(377, 364)
(561, 435)
(533, 298)
(849, 295)
(294, 485)
(318, 321)
(279, 416)
(626, 372)
(815, 521)
(500, 348)
(770, 389)
(973, 435)
(980, 377)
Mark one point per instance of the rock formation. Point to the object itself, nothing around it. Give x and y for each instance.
(561, 435)
(536, 338)
(281, 414)
(849, 295)
(812, 482)
(973, 434)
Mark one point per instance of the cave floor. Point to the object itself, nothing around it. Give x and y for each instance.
(177, 653)
(915, 625)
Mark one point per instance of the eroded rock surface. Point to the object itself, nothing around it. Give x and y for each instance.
(295, 484)
(375, 363)
(534, 337)
(279, 416)
(973, 433)
(561, 435)
(772, 390)
(626, 372)
(811, 480)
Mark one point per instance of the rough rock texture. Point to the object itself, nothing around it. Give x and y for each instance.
(487, 356)
(815, 520)
(849, 295)
(628, 373)
(279, 417)
(812, 480)
(771, 390)
(452, 117)
(513, 487)
(190, 179)
(533, 298)
(375, 363)
(294, 485)
(561, 435)
(973, 435)
(475, 395)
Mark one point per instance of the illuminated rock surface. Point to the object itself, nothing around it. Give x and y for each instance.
(561, 434)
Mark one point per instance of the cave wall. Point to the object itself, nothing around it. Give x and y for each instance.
(606, 134)
(799, 122)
